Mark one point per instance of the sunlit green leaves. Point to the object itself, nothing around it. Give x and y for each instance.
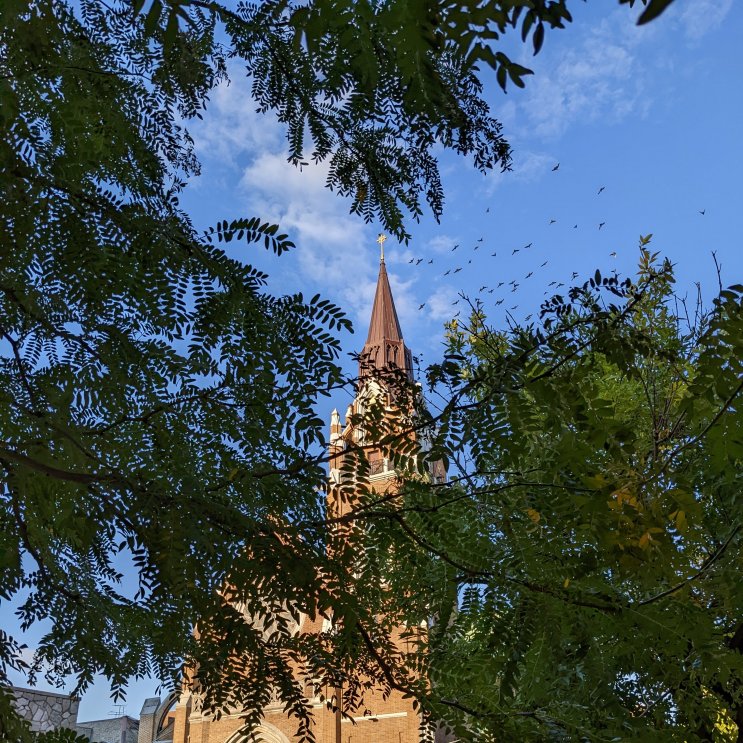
(596, 534)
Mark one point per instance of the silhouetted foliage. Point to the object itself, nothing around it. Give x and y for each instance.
(157, 404)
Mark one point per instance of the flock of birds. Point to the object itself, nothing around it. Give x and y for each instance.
(514, 285)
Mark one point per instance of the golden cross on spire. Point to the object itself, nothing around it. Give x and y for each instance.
(381, 240)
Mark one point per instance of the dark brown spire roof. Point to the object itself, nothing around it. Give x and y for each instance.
(384, 347)
(384, 324)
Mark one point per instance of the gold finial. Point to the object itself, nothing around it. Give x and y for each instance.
(381, 240)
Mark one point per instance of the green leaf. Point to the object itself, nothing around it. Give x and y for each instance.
(652, 11)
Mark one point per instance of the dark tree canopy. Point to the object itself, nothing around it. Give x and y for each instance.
(157, 402)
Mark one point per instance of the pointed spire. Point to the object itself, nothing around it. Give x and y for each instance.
(384, 324)
(384, 345)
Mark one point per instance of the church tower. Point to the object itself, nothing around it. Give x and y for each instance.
(385, 372)
(385, 386)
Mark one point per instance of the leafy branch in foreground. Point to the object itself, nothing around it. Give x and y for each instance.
(157, 404)
(585, 557)
(582, 562)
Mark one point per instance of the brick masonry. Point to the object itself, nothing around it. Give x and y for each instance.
(390, 719)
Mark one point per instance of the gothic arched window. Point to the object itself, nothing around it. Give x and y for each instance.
(264, 733)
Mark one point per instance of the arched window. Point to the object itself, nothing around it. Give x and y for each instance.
(165, 718)
(264, 733)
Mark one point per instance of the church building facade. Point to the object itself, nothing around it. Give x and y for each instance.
(387, 718)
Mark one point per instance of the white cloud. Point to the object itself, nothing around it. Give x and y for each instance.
(441, 244)
(232, 127)
(507, 113)
(27, 655)
(439, 304)
(405, 301)
(397, 254)
(598, 81)
(336, 251)
(602, 76)
(334, 247)
(699, 17)
(299, 199)
(528, 167)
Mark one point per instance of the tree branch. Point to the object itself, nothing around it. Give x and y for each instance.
(708, 563)
(49, 470)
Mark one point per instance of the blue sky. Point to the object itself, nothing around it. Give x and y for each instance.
(652, 114)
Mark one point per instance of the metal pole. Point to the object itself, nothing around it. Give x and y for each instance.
(338, 717)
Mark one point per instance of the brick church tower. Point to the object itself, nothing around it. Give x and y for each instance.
(386, 718)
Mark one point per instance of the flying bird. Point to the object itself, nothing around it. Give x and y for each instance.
(500, 301)
(494, 254)
(600, 190)
(575, 274)
(531, 273)
(430, 262)
(487, 211)
(601, 224)
(447, 272)
(500, 284)
(483, 287)
(480, 240)
(455, 247)
(556, 167)
(544, 264)
(456, 301)
(703, 211)
(515, 250)
(411, 260)
(421, 306)
(552, 221)
(419, 261)
(526, 247)
(457, 270)
(613, 254)
(575, 226)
